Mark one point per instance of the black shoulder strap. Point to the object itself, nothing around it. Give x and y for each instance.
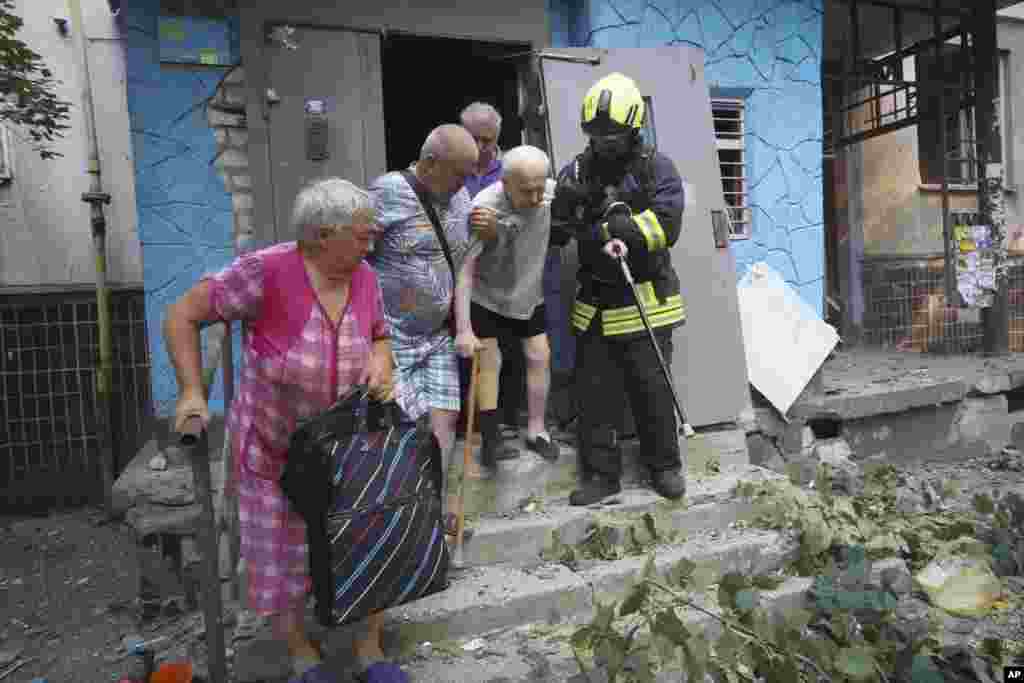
(421, 194)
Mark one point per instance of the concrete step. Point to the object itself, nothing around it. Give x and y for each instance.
(488, 599)
(541, 651)
(529, 477)
(484, 599)
(710, 504)
(525, 652)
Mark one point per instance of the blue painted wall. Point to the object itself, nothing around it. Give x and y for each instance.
(185, 216)
(773, 49)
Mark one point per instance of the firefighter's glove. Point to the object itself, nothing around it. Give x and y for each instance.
(570, 196)
(620, 226)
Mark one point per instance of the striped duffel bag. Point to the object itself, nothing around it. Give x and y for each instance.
(361, 476)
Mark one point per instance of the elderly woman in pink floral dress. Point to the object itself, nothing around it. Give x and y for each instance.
(290, 374)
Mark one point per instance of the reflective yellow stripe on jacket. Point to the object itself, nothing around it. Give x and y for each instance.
(582, 315)
(650, 228)
(627, 320)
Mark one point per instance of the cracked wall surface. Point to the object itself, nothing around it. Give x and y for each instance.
(773, 48)
(184, 213)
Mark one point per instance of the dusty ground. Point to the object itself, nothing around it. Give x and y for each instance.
(852, 372)
(68, 584)
(995, 473)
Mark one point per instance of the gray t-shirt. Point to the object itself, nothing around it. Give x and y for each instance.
(510, 269)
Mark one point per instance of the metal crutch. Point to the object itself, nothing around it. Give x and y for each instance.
(686, 428)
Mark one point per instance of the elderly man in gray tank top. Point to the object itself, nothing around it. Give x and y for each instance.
(499, 293)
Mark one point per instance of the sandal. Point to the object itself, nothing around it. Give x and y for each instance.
(382, 672)
(303, 665)
(451, 527)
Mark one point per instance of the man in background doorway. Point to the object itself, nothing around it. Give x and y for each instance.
(484, 123)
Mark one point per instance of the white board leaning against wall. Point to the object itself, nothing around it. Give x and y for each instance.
(784, 339)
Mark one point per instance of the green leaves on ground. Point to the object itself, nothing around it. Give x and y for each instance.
(846, 635)
(613, 537)
(858, 663)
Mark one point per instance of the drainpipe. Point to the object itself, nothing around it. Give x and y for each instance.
(96, 198)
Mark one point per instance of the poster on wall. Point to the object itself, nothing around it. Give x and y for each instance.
(975, 261)
(195, 40)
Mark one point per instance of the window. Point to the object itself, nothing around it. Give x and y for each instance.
(943, 81)
(730, 130)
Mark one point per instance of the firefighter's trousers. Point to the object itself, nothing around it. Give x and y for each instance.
(609, 370)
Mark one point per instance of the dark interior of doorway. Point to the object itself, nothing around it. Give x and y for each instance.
(428, 80)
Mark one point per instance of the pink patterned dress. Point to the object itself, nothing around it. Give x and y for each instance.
(281, 383)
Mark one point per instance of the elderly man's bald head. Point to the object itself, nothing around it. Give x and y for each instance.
(525, 161)
(449, 142)
(447, 158)
(524, 176)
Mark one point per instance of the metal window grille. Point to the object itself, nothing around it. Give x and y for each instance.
(730, 136)
(905, 309)
(1015, 297)
(49, 451)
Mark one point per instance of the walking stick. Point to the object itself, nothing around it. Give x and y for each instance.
(687, 429)
(467, 454)
(196, 440)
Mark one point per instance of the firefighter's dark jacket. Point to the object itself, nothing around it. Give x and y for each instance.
(652, 188)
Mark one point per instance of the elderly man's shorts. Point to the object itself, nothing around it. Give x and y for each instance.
(427, 376)
(489, 325)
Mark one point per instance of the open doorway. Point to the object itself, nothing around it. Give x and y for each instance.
(428, 81)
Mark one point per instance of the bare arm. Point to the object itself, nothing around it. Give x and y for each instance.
(464, 289)
(181, 326)
(379, 375)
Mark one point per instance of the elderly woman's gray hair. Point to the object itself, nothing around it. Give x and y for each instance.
(329, 203)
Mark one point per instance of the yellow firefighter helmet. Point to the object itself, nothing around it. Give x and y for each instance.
(613, 105)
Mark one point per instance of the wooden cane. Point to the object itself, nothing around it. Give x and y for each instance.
(195, 440)
(467, 454)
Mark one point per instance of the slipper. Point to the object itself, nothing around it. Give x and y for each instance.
(383, 672)
(303, 665)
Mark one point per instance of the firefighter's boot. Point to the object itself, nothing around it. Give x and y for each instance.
(669, 484)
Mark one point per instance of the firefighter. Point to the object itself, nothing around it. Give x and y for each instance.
(622, 197)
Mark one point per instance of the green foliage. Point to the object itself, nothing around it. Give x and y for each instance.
(27, 88)
(612, 537)
(843, 636)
